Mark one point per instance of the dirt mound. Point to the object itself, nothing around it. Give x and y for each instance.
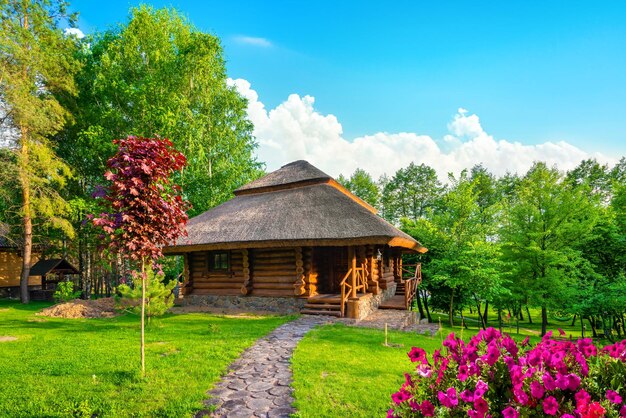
(78, 308)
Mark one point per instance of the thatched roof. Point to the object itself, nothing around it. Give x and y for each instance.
(297, 205)
(53, 265)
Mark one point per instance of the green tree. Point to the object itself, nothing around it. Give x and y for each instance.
(36, 67)
(545, 228)
(159, 75)
(411, 193)
(361, 184)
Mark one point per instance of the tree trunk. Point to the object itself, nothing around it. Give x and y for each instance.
(500, 319)
(574, 320)
(486, 315)
(143, 317)
(530, 320)
(419, 304)
(451, 311)
(425, 299)
(27, 222)
(544, 320)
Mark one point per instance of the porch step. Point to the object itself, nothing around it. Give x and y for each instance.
(320, 312)
(325, 298)
(324, 304)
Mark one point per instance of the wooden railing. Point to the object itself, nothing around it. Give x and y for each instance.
(346, 285)
(411, 277)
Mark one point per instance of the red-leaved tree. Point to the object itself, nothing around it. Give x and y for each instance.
(144, 210)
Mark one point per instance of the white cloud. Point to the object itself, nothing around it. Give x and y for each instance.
(254, 41)
(295, 130)
(74, 32)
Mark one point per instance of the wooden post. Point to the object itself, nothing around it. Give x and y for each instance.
(247, 277)
(352, 255)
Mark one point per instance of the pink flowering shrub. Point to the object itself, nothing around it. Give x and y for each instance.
(493, 376)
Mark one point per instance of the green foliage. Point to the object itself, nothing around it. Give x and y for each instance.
(36, 72)
(65, 292)
(70, 368)
(361, 185)
(159, 296)
(159, 75)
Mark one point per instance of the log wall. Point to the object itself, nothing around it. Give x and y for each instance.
(220, 282)
(11, 269)
(277, 272)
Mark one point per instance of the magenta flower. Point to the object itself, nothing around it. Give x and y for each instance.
(390, 414)
(524, 343)
(561, 332)
(481, 389)
(521, 396)
(550, 405)
(536, 389)
(613, 396)
(481, 406)
(415, 407)
(573, 381)
(548, 381)
(448, 399)
(622, 411)
(510, 412)
(462, 375)
(467, 396)
(418, 354)
(428, 409)
(401, 396)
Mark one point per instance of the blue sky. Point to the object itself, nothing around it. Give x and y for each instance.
(534, 72)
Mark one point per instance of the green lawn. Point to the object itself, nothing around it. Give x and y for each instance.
(69, 367)
(342, 371)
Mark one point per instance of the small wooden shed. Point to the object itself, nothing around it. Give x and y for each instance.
(11, 266)
(52, 271)
(294, 238)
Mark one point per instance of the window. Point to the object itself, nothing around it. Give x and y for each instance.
(219, 261)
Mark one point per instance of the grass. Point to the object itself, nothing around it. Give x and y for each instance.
(82, 367)
(342, 371)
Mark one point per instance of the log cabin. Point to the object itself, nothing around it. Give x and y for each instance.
(294, 240)
(11, 267)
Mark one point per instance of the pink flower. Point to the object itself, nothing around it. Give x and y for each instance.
(548, 381)
(622, 411)
(448, 399)
(510, 412)
(561, 332)
(524, 343)
(521, 396)
(428, 409)
(481, 389)
(481, 406)
(462, 375)
(573, 381)
(550, 405)
(401, 396)
(613, 396)
(467, 396)
(390, 414)
(414, 406)
(424, 370)
(536, 389)
(418, 354)
(582, 400)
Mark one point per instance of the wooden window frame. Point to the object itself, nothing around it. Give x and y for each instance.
(211, 261)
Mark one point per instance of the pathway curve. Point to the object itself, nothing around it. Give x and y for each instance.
(258, 383)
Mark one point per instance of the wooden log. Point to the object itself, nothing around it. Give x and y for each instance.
(276, 267)
(300, 285)
(273, 255)
(272, 261)
(217, 285)
(246, 287)
(270, 292)
(281, 279)
(274, 273)
(275, 286)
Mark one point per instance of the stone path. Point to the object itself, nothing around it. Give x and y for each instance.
(258, 384)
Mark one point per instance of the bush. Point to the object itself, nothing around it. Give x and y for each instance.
(65, 292)
(492, 375)
(159, 296)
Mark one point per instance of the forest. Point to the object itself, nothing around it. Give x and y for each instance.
(548, 239)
